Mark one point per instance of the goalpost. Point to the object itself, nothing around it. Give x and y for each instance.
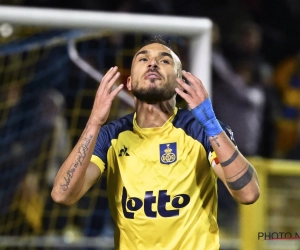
(81, 24)
(198, 29)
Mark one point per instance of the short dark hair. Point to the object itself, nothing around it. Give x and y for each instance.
(158, 39)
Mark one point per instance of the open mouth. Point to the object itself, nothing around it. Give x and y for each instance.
(152, 75)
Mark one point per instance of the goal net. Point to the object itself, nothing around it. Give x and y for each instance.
(51, 63)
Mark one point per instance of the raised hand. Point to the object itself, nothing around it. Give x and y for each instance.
(105, 96)
(199, 102)
(195, 92)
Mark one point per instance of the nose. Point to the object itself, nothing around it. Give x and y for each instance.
(152, 64)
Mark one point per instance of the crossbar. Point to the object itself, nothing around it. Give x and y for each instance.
(198, 29)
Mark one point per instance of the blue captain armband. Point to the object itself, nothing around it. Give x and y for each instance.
(205, 114)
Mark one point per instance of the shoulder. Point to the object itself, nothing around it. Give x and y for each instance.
(114, 128)
(111, 131)
(185, 120)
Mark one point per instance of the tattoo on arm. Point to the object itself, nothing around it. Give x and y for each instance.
(230, 160)
(78, 162)
(215, 139)
(242, 181)
(239, 172)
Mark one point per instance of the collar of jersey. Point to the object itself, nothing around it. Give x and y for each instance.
(144, 132)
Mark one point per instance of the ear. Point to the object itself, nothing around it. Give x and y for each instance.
(128, 84)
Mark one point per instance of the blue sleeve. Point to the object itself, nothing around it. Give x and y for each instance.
(185, 120)
(102, 144)
(108, 133)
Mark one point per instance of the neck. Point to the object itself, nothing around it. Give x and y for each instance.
(154, 115)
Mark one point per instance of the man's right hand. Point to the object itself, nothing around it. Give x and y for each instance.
(77, 174)
(105, 96)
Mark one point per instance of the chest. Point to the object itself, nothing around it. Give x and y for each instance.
(158, 159)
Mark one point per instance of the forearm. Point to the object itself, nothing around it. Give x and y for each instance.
(77, 174)
(239, 175)
(70, 179)
(236, 173)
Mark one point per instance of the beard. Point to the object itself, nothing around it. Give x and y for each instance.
(153, 95)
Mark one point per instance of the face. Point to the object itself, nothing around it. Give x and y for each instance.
(154, 70)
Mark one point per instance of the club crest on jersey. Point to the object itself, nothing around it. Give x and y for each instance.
(168, 152)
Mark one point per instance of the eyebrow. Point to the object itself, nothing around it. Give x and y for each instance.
(166, 54)
(162, 53)
(141, 52)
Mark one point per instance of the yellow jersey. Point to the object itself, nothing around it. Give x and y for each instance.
(161, 186)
